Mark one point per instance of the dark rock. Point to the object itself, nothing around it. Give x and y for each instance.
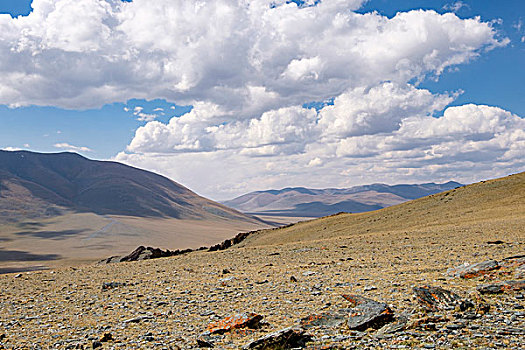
(204, 343)
(244, 320)
(293, 279)
(495, 242)
(111, 285)
(287, 338)
(106, 337)
(145, 253)
(97, 344)
(436, 298)
(496, 288)
(367, 313)
(327, 319)
(225, 271)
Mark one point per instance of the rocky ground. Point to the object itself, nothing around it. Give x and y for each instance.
(348, 292)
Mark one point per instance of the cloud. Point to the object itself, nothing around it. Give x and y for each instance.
(248, 75)
(383, 134)
(72, 148)
(456, 6)
(86, 53)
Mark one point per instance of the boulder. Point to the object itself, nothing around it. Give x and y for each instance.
(367, 313)
(475, 270)
(496, 288)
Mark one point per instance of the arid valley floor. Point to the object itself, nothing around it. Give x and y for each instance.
(297, 276)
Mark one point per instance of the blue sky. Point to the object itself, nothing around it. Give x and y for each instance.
(129, 108)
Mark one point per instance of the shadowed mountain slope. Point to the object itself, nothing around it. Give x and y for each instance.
(486, 208)
(300, 201)
(38, 184)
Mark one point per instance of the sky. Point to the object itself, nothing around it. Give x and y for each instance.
(232, 96)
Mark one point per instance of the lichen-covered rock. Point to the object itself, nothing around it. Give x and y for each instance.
(288, 338)
(436, 298)
(470, 271)
(367, 313)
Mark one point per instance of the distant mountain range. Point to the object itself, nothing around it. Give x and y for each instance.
(300, 201)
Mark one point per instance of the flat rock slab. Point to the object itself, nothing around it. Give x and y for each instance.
(468, 271)
(244, 320)
(496, 288)
(436, 298)
(288, 338)
(367, 313)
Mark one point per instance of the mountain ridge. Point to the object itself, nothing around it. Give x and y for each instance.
(302, 201)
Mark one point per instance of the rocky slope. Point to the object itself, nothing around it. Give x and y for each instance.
(437, 273)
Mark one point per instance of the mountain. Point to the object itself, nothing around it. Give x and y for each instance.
(65, 206)
(488, 210)
(68, 180)
(300, 201)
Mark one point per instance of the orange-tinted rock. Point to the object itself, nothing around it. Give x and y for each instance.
(244, 320)
(435, 298)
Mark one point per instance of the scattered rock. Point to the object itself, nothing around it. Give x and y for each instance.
(398, 325)
(244, 320)
(496, 242)
(288, 338)
(424, 322)
(496, 288)
(111, 285)
(367, 313)
(519, 273)
(204, 343)
(436, 298)
(106, 337)
(138, 319)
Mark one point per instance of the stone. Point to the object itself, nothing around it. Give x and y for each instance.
(288, 338)
(478, 269)
(436, 298)
(367, 313)
(138, 319)
(96, 344)
(106, 337)
(244, 320)
(519, 273)
(496, 288)
(111, 285)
